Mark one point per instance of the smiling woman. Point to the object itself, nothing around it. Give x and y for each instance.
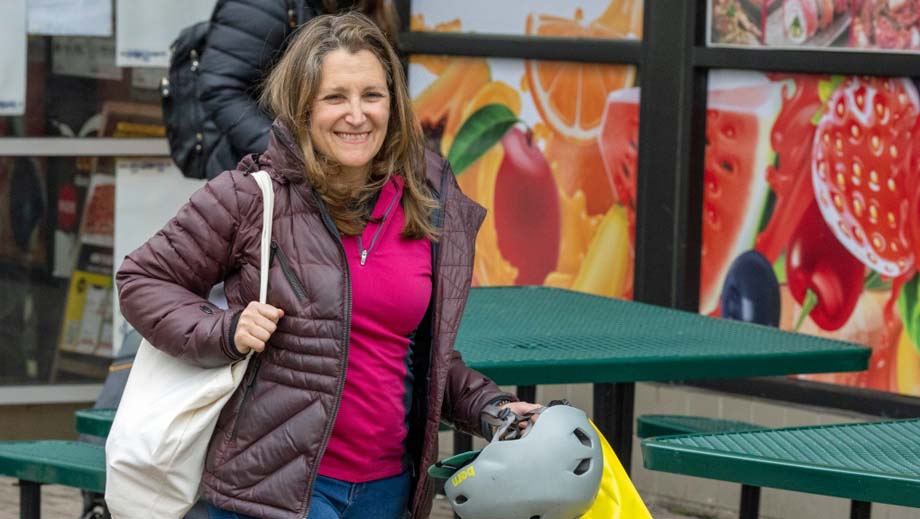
(353, 362)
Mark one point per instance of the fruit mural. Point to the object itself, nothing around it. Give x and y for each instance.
(811, 208)
(526, 139)
(810, 214)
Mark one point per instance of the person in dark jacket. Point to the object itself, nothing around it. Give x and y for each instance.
(245, 40)
(372, 257)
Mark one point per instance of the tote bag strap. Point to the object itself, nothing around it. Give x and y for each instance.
(268, 209)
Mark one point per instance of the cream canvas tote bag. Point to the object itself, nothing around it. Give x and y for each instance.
(156, 450)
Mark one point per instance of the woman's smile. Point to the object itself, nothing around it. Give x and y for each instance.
(354, 138)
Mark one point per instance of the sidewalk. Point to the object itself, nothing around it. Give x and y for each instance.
(65, 503)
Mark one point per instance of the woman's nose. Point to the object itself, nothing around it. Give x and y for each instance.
(356, 115)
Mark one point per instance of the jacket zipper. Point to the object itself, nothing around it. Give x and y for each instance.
(257, 363)
(386, 214)
(327, 432)
(292, 280)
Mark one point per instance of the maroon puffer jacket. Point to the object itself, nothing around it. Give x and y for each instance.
(272, 433)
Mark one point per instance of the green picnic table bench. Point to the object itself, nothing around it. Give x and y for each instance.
(69, 463)
(864, 462)
(655, 425)
(36, 463)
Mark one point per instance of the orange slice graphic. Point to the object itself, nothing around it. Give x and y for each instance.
(570, 96)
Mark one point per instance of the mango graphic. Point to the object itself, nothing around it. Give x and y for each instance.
(607, 267)
(440, 106)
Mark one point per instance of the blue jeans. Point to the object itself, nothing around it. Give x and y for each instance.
(386, 498)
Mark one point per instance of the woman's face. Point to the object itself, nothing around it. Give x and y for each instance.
(350, 113)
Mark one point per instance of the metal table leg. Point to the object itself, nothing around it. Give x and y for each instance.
(462, 442)
(614, 406)
(527, 393)
(860, 510)
(750, 502)
(30, 500)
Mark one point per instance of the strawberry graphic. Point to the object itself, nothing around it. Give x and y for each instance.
(861, 170)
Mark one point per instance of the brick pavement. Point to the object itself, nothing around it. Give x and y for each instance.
(65, 503)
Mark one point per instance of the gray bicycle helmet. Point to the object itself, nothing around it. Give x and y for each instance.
(552, 472)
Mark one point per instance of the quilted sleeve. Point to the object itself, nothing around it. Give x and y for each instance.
(245, 39)
(163, 285)
(468, 391)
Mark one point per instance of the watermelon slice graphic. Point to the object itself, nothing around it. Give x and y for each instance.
(741, 112)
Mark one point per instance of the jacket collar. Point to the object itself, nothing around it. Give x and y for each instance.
(284, 155)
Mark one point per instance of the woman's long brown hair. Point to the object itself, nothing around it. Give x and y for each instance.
(290, 91)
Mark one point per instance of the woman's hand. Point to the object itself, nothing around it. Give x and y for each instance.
(494, 418)
(257, 323)
(521, 409)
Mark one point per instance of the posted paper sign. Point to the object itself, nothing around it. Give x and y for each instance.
(70, 17)
(92, 58)
(146, 29)
(150, 192)
(13, 58)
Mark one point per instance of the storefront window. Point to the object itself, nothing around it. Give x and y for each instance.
(74, 89)
(57, 212)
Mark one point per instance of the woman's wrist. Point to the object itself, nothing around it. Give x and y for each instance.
(489, 417)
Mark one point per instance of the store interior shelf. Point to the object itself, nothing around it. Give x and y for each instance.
(71, 365)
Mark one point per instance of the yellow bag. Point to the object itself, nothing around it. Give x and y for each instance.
(617, 497)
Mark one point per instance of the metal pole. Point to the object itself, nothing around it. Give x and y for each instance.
(30, 500)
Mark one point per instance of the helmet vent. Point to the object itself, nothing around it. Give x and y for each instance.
(582, 437)
(461, 499)
(583, 466)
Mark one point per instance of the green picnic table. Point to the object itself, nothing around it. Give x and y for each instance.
(540, 335)
(864, 462)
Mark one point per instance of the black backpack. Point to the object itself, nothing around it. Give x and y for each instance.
(191, 134)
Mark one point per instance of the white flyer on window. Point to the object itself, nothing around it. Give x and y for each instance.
(70, 17)
(146, 29)
(84, 57)
(149, 193)
(13, 58)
